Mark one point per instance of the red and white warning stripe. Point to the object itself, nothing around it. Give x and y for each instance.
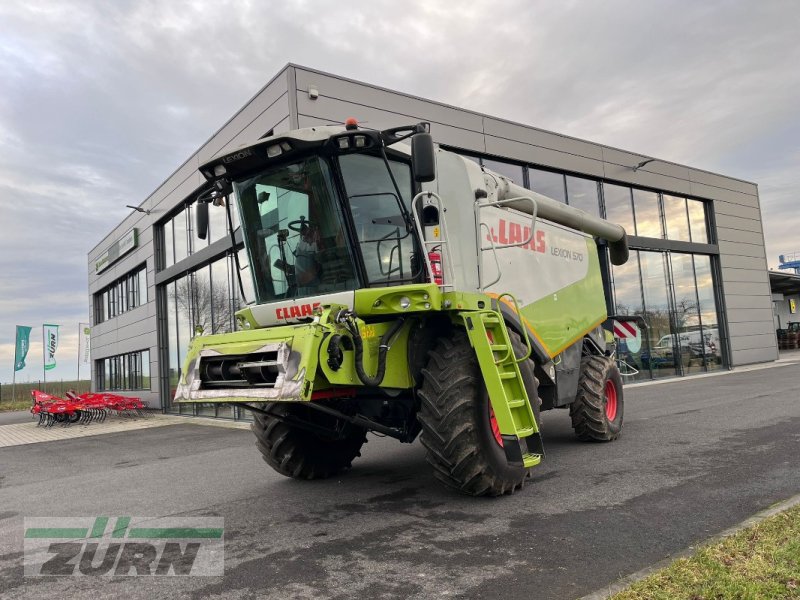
(625, 329)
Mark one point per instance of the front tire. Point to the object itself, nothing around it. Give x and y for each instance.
(456, 423)
(597, 411)
(299, 453)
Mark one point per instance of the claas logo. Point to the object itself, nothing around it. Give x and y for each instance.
(296, 311)
(514, 233)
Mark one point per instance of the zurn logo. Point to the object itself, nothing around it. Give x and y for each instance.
(123, 546)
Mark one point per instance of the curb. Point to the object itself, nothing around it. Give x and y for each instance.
(621, 584)
(785, 362)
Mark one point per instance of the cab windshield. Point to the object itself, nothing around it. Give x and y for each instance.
(295, 234)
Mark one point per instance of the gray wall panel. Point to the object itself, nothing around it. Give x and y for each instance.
(732, 222)
(539, 137)
(749, 315)
(741, 249)
(758, 355)
(748, 301)
(749, 342)
(330, 86)
(740, 288)
(734, 197)
(733, 261)
(274, 98)
(737, 210)
(543, 156)
(746, 275)
(333, 111)
(735, 235)
(719, 181)
(754, 328)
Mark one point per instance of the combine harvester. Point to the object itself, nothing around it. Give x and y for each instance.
(405, 290)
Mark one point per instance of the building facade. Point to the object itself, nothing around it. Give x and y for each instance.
(697, 273)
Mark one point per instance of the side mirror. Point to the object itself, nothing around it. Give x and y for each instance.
(423, 158)
(201, 218)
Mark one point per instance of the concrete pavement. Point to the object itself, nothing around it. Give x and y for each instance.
(697, 456)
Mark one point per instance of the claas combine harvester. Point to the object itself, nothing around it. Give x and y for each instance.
(402, 289)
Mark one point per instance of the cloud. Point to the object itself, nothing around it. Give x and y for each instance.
(103, 100)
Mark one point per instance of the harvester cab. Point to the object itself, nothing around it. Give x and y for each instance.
(403, 289)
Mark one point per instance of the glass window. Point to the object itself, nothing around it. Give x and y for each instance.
(548, 184)
(619, 207)
(387, 247)
(687, 315)
(697, 220)
(181, 236)
(513, 172)
(169, 244)
(628, 301)
(648, 218)
(173, 363)
(217, 223)
(142, 285)
(146, 370)
(662, 358)
(221, 294)
(247, 281)
(708, 310)
(676, 217)
(293, 229)
(582, 194)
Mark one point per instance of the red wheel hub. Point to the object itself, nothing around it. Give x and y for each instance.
(495, 427)
(611, 400)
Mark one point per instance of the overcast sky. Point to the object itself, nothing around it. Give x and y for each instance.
(101, 100)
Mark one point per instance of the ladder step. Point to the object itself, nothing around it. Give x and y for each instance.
(498, 347)
(508, 375)
(491, 320)
(516, 403)
(531, 460)
(525, 432)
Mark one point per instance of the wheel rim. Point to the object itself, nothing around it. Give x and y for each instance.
(611, 400)
(495, 427)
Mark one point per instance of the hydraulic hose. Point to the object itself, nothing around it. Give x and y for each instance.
(349, 320)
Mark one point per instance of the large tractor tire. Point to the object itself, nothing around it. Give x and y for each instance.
(598, 408)
(299, 453)
(462, 446)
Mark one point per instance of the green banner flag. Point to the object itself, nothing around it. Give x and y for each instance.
(21, 350)
(50, 335)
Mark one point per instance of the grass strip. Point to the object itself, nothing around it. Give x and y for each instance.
(760, 561)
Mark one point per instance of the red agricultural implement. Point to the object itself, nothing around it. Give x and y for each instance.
(83, 408)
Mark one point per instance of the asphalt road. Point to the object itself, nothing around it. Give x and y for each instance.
(696, 457)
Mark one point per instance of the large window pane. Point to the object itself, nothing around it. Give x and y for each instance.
(169, 245)
(662, 356)
(708, 310)
(628, 301)
(146, 370)
(648, 219)
(142, 276)
(582, 194)
(172, 342)
(223, 297)
(548, 184)
(676, 218)
(513, 172)
(203, 300)
(181, 240)
(697, 219)
(687, 316)
(217, 223)
(619, 206)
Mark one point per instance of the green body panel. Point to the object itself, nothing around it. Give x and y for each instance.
(561, 319)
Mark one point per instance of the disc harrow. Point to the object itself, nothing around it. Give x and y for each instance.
(84, 408)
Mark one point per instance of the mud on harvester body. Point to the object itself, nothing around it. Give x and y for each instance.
(407, 291)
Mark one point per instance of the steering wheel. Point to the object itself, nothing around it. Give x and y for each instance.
(299, 224)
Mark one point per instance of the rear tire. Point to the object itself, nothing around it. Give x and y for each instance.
(456, 427)
(301, 454)
(597, 411)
